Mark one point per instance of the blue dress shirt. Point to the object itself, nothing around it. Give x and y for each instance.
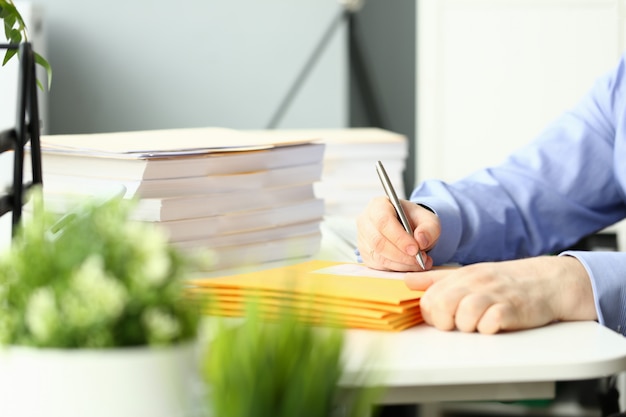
(568, 183)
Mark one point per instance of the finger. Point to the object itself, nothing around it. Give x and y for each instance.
(387, 222)
(505, 317)
(376, 252)
(498, 317)
(385, 254)
(421, 281)
(379, 237)
(426, 225)
(376, 261)
(418, 281)
(440, 301)
(439, 304)
(470, 311)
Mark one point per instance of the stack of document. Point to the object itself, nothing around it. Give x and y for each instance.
(247, 198)
(349, 180)
(321, 292)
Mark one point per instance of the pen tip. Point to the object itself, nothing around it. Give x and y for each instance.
(420, 260)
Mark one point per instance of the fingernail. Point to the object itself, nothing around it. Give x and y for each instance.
(422, 239)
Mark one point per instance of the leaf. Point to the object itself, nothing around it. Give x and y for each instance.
(278, 367)
(15, 32)
(40, 60)
(72, 264)
(8, 55)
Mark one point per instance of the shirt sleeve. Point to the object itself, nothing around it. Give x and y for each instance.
(606, 271)
(566, 184)
(545, 196)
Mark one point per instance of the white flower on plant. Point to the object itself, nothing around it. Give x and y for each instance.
(42, 314)
(161, 326)
(151, 246)
(94, 296)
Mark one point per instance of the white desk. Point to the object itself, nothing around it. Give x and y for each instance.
(425, 365)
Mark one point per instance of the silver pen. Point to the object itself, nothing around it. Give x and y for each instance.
(395, 202)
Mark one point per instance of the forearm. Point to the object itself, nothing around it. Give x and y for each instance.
(509, 213)
(546, 196)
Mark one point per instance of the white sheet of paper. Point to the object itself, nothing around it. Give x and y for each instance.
(360, 271)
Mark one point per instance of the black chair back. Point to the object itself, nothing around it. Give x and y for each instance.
(26, 130)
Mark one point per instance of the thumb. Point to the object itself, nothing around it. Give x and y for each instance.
(421, 281)
(427, 227)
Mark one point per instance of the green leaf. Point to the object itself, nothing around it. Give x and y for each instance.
(40, 60)
(278, 366)
(87, 285)
(14, 36)
(15, 32)
(8, 55)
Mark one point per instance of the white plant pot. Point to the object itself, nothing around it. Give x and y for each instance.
(130, 382)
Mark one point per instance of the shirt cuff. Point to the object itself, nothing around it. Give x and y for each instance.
(608, 282)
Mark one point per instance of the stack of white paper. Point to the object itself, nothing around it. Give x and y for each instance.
(248, 198)
(349, 180)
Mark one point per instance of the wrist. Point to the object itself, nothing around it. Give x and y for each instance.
(574, 290)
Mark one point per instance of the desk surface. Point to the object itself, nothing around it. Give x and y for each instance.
(424, 355)
(423, 364)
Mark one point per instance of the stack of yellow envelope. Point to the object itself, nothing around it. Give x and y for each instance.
(321, 292)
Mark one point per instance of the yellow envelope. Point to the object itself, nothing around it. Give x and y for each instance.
(301, 279)
(366, 302)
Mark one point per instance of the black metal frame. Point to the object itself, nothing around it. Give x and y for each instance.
(26, 129)
(358, 67)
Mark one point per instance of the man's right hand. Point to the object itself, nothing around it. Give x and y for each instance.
(383, 242)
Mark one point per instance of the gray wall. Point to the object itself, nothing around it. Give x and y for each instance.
(385, 33)
(155, 64)
(150, 64)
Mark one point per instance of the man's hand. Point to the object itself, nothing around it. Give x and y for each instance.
(383, 242)
(499, 296)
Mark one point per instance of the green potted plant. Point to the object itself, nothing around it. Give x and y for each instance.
(279, 366)
(93, 317)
